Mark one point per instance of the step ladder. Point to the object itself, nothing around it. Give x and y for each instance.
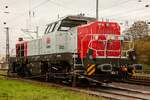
(77, 63)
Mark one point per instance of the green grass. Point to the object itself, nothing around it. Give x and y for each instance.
(3, 73)
(146, 67)
(142, 74)
(19, 90)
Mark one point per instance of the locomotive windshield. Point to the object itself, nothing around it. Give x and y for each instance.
(66, 24)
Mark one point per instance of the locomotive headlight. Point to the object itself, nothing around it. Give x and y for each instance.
(107, 24)
(109, 37)
(113, 73)
(121, 38)
(113, 37)
(96, 37)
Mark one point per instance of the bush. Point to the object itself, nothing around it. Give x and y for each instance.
(142, 47)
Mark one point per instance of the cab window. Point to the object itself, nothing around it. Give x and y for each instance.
(67, 24)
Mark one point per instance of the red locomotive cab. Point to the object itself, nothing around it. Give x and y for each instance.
(21, 49)
(17, 49)
(103, 38)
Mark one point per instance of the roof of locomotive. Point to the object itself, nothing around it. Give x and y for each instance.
(68, 17)
(75, 17)
(114, 24)
(21, 42)
(89, 19)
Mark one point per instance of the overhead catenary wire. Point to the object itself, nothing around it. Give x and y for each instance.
(144, 16)
(26, 12)
(114, 6)
(140, 8)
(117, 4)
(39, 5)
(137, 10)
(60, 5)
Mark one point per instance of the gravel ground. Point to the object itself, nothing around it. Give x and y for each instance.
(132, 86)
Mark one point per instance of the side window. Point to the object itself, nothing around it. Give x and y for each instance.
(52, 28)
(47, 29)
(20, 50)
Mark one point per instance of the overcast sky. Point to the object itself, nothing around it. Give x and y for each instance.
(122, 11)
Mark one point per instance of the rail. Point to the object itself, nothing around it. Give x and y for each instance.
(122, 93)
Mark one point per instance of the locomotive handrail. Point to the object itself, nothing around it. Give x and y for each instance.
(123, 54)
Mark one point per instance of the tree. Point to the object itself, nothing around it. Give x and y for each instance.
(142, 47)
(138, 30)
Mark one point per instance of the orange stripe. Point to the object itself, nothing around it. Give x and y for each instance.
(89, 68)
(91, 72)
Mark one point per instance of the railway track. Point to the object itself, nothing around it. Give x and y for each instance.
(143, 71)
(109, 92)
(124, 93)
(106, 91)
(140, 80)
(137, 81)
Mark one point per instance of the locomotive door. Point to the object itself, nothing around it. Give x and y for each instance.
(61, 42)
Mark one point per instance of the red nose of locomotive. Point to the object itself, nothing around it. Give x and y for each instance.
(102, 38)
(98, 43)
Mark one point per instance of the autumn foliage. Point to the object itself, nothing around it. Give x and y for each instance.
(142, 47)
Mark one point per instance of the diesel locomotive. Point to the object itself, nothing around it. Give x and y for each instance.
(73, 48)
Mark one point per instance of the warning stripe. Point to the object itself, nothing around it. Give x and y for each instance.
(91, 72)
(90, 67)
